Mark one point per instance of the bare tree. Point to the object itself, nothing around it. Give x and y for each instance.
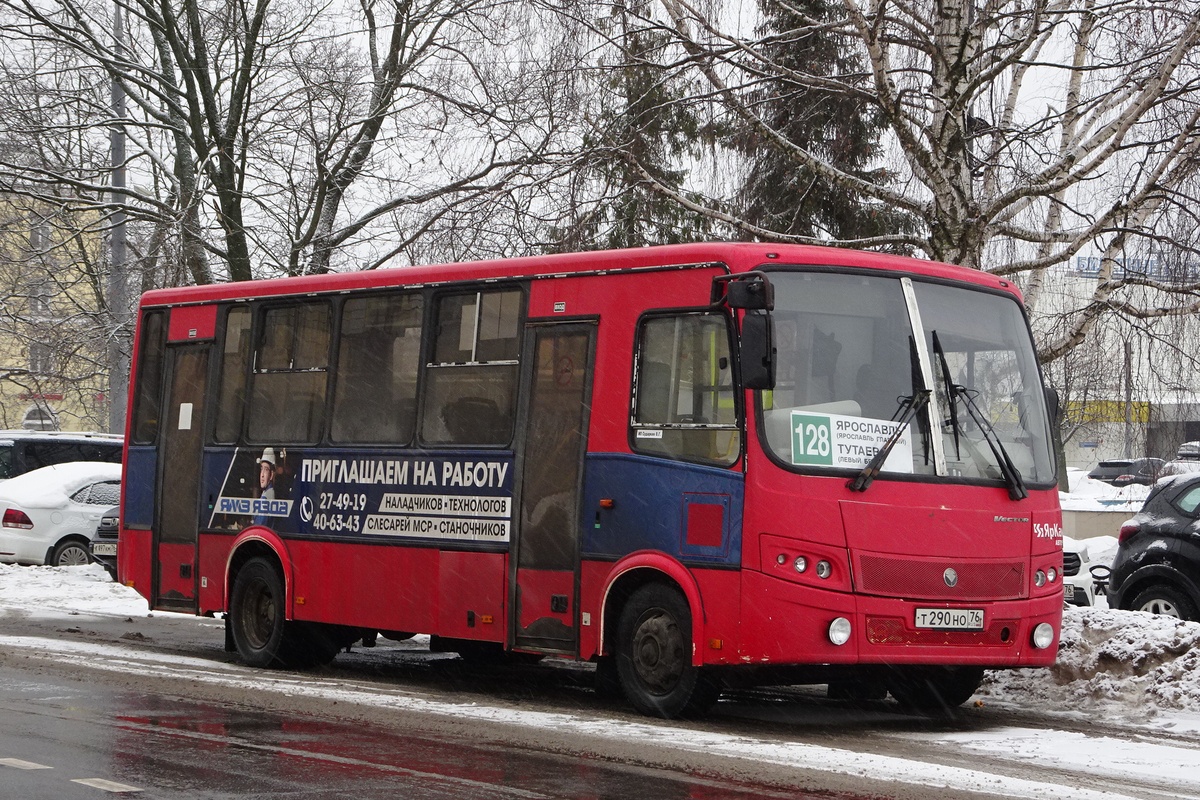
(1024, 132)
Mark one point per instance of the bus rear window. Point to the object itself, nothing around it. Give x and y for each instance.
(147, 406)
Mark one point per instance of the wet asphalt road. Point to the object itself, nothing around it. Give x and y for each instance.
(65, 739)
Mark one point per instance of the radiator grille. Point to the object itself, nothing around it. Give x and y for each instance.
(897, 576)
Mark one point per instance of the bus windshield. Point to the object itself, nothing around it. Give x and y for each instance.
(856, 352)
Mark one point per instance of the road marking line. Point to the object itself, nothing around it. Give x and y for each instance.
(17, 763)
(108, 786)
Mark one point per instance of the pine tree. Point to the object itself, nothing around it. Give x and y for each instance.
(645, 125)
(782, 195)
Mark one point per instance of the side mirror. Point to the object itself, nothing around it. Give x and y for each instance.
(1052, 404)
(758, 351)
(749, 290)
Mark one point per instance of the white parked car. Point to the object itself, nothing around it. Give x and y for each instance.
(1078, 586)
(1086, 562)
(48, 515)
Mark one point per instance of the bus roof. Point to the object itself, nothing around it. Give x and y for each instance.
(738, 256)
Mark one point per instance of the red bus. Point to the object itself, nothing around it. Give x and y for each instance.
(693, 465)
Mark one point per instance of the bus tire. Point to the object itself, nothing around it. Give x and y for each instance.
(934, 690)
(320, 643)
(257, 618)
(653, 656)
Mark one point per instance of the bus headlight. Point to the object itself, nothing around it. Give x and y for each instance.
(824, 570)
(839, 631)
(1043, 636)
(1039, 578)
(800, 564)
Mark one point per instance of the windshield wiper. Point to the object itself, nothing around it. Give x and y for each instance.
(955, 392)
(909, 406)
(951, 392)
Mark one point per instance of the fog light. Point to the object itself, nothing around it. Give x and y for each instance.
(1043, 636)
(800, 564)
(839, 631)
(1039, 578)
(1051, 574)
(824, 570)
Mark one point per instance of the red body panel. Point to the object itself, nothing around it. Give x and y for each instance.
(538, 588)
(192, 323)
(133, 560)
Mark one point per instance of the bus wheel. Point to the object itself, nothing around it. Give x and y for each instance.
(317, 643)
(256, 613)
(653, 655)
(934, 690)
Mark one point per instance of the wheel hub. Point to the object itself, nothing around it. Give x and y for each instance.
(658, 651)
(1161, 607)
(259, 615)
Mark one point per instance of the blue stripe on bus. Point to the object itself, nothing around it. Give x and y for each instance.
(651, 499)
(141, 467)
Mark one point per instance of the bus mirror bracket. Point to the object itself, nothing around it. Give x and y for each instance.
(757, 353)
(1052, 404)
(751, 291)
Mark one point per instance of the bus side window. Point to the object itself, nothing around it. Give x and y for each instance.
(291, 365)
(375, 389)
(470, 395)
(235, 359)
(684, 405)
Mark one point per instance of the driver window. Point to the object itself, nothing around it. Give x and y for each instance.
(684, 405)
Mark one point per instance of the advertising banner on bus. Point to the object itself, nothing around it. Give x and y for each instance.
(460, 498)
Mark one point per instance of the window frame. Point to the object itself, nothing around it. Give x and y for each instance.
(335, 365)
(145, 394)
(431, 366)
(259, 330)
(636, 386)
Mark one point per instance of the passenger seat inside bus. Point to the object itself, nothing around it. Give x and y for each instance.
(475, 420)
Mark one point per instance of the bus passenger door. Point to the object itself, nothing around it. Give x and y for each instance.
(546, 546)
(178, 483)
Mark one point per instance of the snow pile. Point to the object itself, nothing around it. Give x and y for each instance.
(1088, 494)
(1124, 663)
(66, 591)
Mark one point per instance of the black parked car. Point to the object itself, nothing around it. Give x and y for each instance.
(1124, 471)
(103, 547)
(1157, 567)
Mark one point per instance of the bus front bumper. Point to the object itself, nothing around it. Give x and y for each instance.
(786, 623)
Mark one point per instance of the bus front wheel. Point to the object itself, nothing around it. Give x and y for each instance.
(653, 655)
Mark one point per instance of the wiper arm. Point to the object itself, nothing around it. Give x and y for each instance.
(909, 406)
(1012, 476)
(955, 392)
(952, 392)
